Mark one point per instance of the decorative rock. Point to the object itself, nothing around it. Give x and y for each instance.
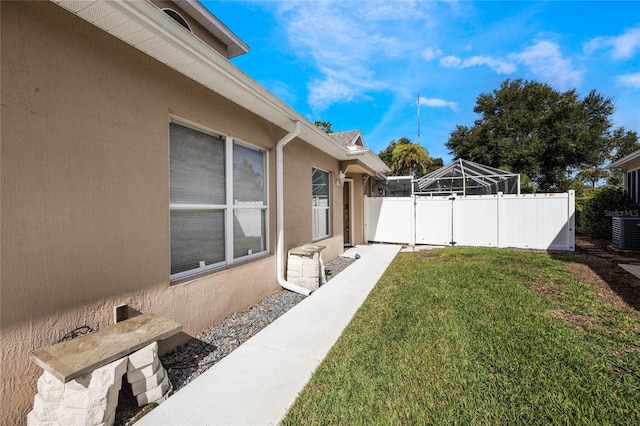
(105, 376)
(49, 387)
(87, 416)
(78, 396)
(45, 410)
(33, 420)
(154, 394)
(151, 382)
(144, 372)
(166, 395)
(88, 400)
(143, 357)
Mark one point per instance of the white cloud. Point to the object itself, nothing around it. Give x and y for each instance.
(438, 103)
(623, 46)
(497, 65)
(545, 61)
(340, 86)
(324, 92)
(451, 62)
(631, 80)
(345, 42)
(430, 53)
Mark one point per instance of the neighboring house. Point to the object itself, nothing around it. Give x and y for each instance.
(630, 164)
(140, 167)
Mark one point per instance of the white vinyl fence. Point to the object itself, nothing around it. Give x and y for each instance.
(534, 221)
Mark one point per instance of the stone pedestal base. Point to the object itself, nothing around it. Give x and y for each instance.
(148, 378)
(305, 267)
(91, 399)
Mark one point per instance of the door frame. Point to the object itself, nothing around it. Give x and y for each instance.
(349, 182)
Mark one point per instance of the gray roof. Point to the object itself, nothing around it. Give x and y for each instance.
(352, 137)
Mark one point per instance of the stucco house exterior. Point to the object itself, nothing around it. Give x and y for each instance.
(630, 164)
(140, 167)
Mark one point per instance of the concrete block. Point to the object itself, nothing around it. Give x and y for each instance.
(87, 416)
(45, 410)
(311, 269)
(294, 268)
(154, 394)
(78, 396)
(148, 383)
(311, 281)
(294, 261)
(144, 372)
(293, 275)
(311, 273)
(33, 420)
(49, 387)
(166, 395)
(105, 376)
(143, 357)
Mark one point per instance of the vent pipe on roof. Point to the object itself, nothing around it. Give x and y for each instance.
(280, 212)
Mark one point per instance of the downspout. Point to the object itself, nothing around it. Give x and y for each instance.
(280, 212)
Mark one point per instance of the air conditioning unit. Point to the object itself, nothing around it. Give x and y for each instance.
(626, 233)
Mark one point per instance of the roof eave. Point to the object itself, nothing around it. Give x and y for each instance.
(626, 159)
(235, 46)
(144, 26)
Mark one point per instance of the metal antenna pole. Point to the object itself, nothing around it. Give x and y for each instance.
(418, 117)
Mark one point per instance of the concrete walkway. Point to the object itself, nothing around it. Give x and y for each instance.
(627, 260)
(258, 382)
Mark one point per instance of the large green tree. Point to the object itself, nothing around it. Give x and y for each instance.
(386, 154)
(530, 128)
(408, 158)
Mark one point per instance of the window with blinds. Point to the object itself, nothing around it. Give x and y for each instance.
(320, 203)
(218, 201)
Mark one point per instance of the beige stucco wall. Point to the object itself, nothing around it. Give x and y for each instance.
(299, 160)
(358, 207)
(84, 196)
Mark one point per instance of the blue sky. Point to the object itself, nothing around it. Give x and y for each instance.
(361, 64)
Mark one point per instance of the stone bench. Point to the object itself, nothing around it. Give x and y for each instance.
(82, 377)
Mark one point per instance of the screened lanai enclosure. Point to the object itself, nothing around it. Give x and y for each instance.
(465, 177)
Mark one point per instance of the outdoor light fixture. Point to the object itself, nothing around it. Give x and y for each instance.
(340, 178)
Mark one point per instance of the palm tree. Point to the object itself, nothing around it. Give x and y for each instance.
(410, 160)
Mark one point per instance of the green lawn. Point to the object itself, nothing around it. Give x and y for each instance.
(485, 336)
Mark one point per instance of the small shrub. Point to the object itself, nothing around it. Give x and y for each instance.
(595, 218)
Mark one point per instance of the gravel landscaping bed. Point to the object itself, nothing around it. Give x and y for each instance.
(188, 361)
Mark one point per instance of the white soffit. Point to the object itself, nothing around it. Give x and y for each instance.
(626, 159)
(144, 26)
(197, 11)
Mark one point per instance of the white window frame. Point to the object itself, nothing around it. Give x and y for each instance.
(632, 188)
(314, 208)
(230, 205)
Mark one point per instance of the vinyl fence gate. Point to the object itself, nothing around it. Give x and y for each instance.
(528, 221)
